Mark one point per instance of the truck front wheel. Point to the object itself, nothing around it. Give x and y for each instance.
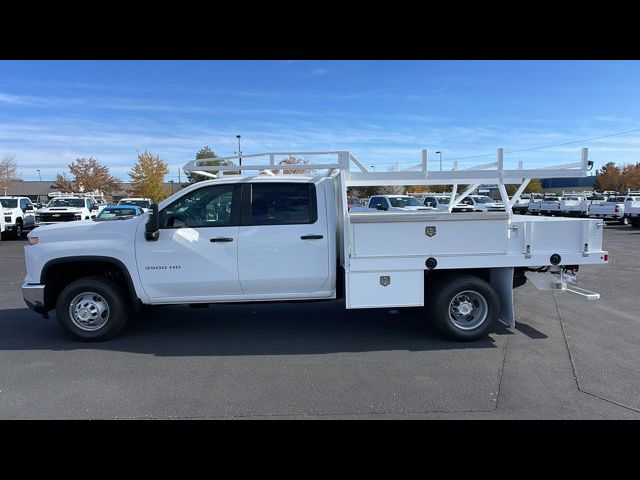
(92, 309)
(463, 307)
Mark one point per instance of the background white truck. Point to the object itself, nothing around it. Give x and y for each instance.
(67, 207)
(611, 209)
(143, 203)
(392, 203)
(290, 237)
(632, 208)
(18, 216)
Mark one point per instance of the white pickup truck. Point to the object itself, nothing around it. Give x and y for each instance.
(550, 205)
(143, 203)
(632, 208)
(19, 214)
(67, 208)
(611, 209)
(282, 237)
(392, 203)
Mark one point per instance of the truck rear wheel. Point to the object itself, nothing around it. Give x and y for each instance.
(463, 307)
(635, 222)
(92, 309)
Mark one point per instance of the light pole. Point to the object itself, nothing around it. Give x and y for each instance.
(373, 166)
(239, 152)
(440, 155)
(39, 176)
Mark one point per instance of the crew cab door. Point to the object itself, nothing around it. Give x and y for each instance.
(195, 256)
(283, 245)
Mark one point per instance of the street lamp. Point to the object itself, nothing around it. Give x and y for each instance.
(373, 166)
(39, 176)
(239, 152)
(440, 155)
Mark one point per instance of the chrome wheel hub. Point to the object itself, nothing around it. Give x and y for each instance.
(89, 311)
(468, 310)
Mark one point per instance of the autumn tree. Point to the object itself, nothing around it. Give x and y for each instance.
(534, 186)
(631, 177)
(147, 177)
(293, 160)
(8, 172)
(205, 153)
(609, 178)
(88, 175)
(63, 183)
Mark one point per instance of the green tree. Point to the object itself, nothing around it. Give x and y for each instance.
(203, 154)
(147, 177)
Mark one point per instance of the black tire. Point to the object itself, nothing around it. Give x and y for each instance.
(18, 231)
(441, 295)
(109, 293)
(635, 222)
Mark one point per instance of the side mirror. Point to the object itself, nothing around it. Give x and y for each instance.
(152, 227)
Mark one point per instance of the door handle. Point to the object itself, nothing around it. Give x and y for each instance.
(311, 237)
(221, 239)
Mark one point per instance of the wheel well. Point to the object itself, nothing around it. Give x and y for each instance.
(59, 274)
(435, 275)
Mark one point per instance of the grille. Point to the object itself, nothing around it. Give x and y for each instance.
(57, 217)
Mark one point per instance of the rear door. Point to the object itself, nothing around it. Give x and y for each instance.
(283, 241)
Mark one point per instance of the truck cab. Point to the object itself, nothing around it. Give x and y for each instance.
(18, 216)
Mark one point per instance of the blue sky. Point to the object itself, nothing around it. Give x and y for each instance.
(383, 111)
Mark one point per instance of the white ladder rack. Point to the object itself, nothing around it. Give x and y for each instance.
(418, 174)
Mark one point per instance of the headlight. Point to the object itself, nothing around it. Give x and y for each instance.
(33, 240)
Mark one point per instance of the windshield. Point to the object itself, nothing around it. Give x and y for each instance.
(616, 199)
(139, 203)
(66, 202)
(405, 202)
(443, 200)
(9, 202)
(353, 201)
(117, 212)
(484, 199)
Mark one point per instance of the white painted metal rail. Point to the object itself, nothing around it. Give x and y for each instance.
(489, 173)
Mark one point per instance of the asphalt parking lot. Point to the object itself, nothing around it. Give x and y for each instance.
(566, 358)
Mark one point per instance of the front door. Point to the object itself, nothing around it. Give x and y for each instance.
(195, 256)
(283, 241)
(29, 215)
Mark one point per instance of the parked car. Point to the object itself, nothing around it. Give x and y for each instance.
(144, 203)
(574, 205)
(522, 204)
(118, 212)
(441, 202)
(393, 203)
(18, 216)
(66, 209)
(632, 209)
(483, 203)
(2, 227)
(550, 204)
(354, 202)
(611, 209)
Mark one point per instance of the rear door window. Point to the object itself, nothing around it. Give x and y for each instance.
(280, 204)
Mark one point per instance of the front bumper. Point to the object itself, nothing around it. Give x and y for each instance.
(33, 295)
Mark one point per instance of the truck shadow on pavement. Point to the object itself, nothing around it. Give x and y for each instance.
(248, 329)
